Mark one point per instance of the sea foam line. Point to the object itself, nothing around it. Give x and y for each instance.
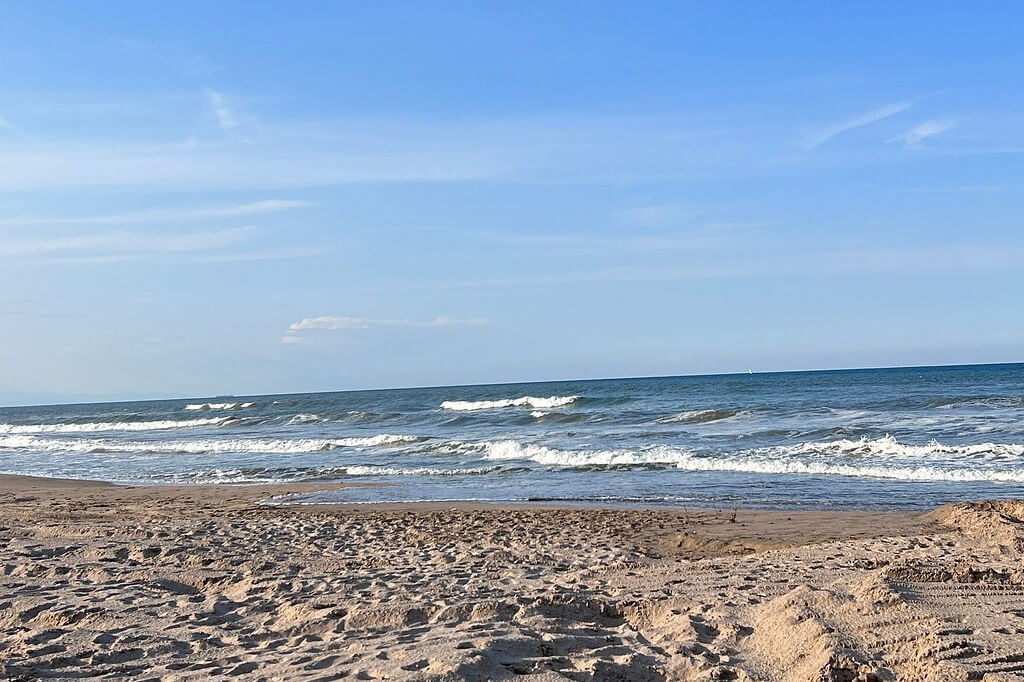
(203, 446)
(525, 401)
(271, 475)
(157, 425)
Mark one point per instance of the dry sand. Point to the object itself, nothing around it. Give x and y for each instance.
(200, 582)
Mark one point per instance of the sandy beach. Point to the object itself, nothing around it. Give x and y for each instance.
(194, 583)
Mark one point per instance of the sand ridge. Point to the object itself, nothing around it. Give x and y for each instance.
(203, 583)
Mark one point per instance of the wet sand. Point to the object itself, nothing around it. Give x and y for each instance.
(194, 583)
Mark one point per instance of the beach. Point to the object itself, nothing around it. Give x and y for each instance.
(199, 582)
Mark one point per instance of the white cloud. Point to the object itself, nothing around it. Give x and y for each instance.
(825, 134)
(166, 215)
(924, 130)
(331, 322)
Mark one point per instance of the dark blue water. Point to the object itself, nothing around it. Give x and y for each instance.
(852, 438)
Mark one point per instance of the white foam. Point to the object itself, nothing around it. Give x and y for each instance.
(511, 449)
(888, 448)
(213, 476)
(816, 468)
(379, 440)
(525, 401)
(203, 446)
(113, 426)
(780, 460)
(306, 419)
(217, 406)
(416, 471)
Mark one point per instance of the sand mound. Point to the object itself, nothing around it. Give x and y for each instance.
(997, 523)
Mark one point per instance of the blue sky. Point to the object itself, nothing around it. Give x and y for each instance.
(207, 198)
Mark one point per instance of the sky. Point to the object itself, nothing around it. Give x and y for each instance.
(256, 197)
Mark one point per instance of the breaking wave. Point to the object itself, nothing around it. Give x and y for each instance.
(200, 446)
(307, 419)
(526, 401)
(781, 460)
(91, 427)
(888, 447)
(756, 465)
(218, 406)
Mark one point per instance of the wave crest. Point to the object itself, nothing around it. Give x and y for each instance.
(217, 406)
(802, 459)
(888, 447)
(91, 427)
(525, 401)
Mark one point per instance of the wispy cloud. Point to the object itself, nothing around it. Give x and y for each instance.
(227, 119)
(553, 149)
(176, 215)
(707, 235)
(924, 130)
(125, 243)
(5, 124)
(656, 215)
(279, 253)
(446, 321)
(347, 322)
(874, 116)
(957, 258)
(219, 104)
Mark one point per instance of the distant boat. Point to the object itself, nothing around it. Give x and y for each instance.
(749, 371)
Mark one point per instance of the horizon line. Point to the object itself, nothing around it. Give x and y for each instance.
(523, 383)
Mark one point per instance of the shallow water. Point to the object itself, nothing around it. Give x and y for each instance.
(853, 438)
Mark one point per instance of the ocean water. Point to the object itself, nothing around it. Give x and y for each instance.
(851, 438)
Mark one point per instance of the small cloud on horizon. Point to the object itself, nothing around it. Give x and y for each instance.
(347, 322)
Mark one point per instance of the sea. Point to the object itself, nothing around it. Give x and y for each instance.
(871, 439)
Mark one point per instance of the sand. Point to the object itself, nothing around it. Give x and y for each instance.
(200, 583)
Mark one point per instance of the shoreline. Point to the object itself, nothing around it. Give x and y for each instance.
(263, 495)
(197, 582)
